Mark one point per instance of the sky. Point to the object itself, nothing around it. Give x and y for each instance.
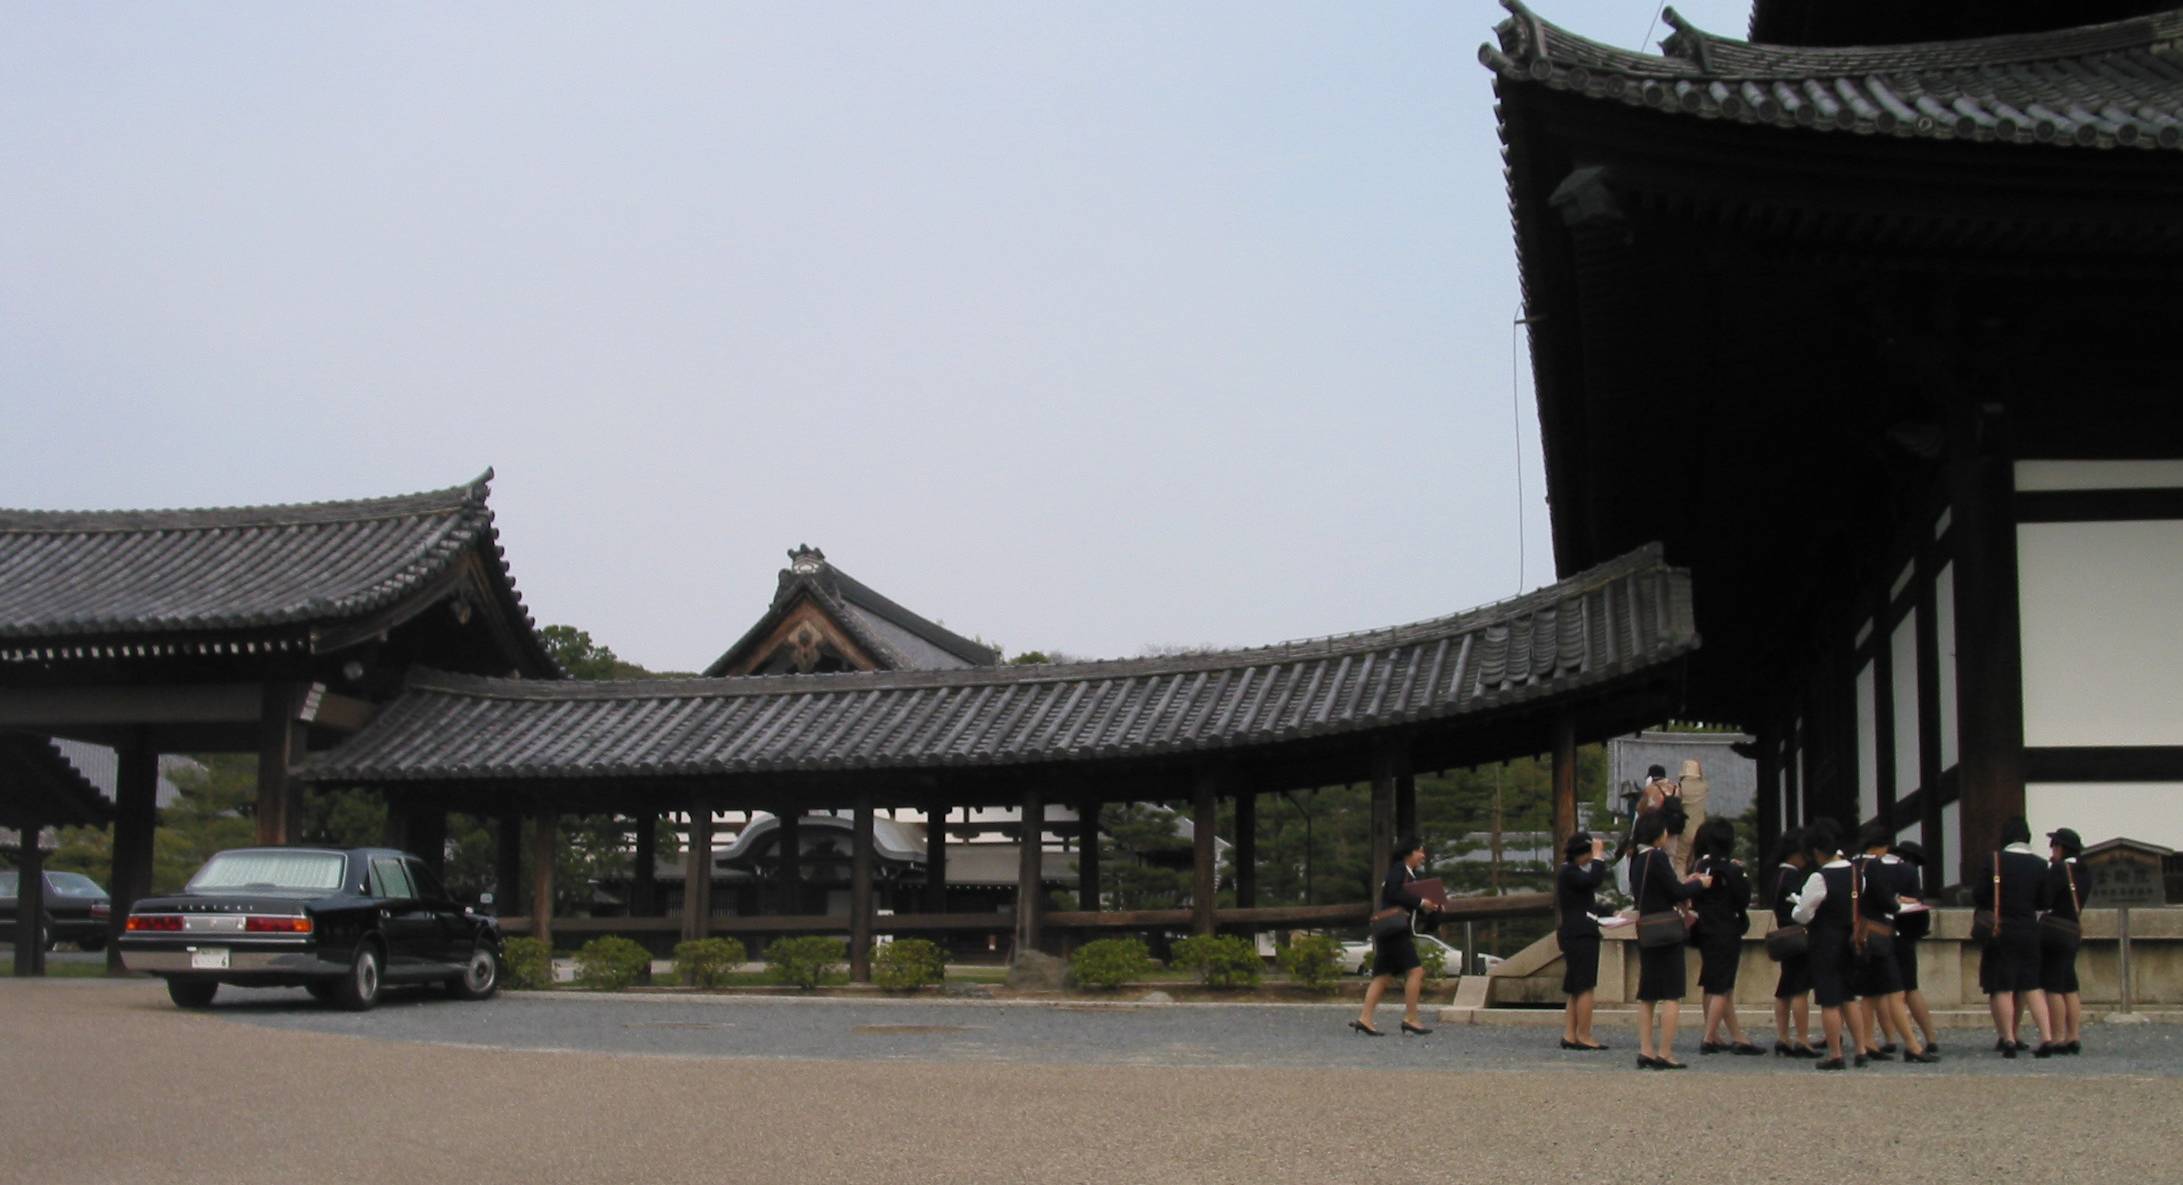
(1083, 328)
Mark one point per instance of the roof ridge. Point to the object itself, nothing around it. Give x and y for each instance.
(470, 495)
(865, 596)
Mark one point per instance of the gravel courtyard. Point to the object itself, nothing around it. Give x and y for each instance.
(113, 1084)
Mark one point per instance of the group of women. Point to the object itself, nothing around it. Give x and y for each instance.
(1861, 921)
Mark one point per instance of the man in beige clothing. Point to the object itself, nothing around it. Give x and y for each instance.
(1693, 795)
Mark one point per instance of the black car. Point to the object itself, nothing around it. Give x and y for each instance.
(339, 922)
(76, 910)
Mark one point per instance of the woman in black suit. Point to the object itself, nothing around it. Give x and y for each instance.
(1396, 954)
(1823, 905)
(1793, 985)
(1578, 933)
(2068, 884)
(1723, 916)
(1660, 983)
(2008, 970)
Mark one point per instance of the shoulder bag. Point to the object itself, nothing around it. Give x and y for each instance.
(1874, 937)
(2063, 934)
(1789, 941)
(1390, 921)
(1986, 923)
(1662, 927)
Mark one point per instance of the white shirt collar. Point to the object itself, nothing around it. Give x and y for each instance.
(1837, 862)
(2020, 847)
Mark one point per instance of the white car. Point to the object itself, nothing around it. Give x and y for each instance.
(1357, 956)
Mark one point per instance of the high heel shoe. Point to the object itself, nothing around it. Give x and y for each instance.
(1860, 1060)
(1832, 1063)
(2072, 1049)
(1712, 1047)
(1926, 1058)
(1746, 1049)
(1781, 1049)
(1650, 1063)
(1366, 1029)
(1885, 1053)
(1809, 1053)
(1411, 1030)
(2046, 1049)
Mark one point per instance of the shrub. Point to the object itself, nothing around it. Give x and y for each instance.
(1433, 958)
(610, 963)
(708, 962)
(527, 964)
(1315, 961)
(1221, 961)
(1110, 962)
(907, 964)
(806, 962)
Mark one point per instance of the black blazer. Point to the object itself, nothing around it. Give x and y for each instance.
(2024, 886)
(1834, 911)
(1725, 909)
(2060, 877)
(1902, 876)
(1395, 890)
(1788, 882)
(1875, 889)
(1653, 879)
(1573, 887)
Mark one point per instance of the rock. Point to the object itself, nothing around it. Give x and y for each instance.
(968, 991)
(1036, 972)
(1155, 997)
(2126, 1018)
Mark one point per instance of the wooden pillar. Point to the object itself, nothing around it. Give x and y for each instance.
(1565, 781)
(697, 873)
(1929, 736)
(29, 902)
(1204, 856)
(1405, 800)
(1769, 779)
(508, 865)
(1989, 645)
(1884, 739)
(280, 747)
(644, 878)
(136, 791)
(936, 812)
(1386, 762)
(860, 890)
(425, 836)
(1792, 771)
(788, 859)
(1030, 872)
(544, 844)
(1087, 853)
(1246, 850)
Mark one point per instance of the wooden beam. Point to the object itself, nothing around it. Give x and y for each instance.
(1387, 761)
(50, 708)
(545, 844)
(136, 792)
(788, 859)
(1204, 856)
(1565, 780)
(508, 864)
(697, 872)
(1030, 871)
(1246, 849)
(1087, 852)
(29, 902)
(860, 891)
(644, 878)
(936, 812)
(1405, 801)
(281, 740)
(1989, 646)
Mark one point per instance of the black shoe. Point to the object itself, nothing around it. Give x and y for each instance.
(1932, 1047)
(2046, 1049)
(1746, 1049)
(2023, 1047)
(1661, 1063)
(1411, 1030)
(1885, 1053)
(1712, 1047)
(1650, 1063)
(1924, 1059)
(2009, 1051)
(2073, 1048)
(1809, 1052)
(1890, 1047)
(1860, 1060)
(2004, 1045)
(1832, 1063)
(1366, 1029)
(1580, 1047)
(1782, 1049)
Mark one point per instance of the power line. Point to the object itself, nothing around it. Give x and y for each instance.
(1650, 25)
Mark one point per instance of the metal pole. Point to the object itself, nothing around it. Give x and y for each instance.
(1470, 948)
(2122, 937)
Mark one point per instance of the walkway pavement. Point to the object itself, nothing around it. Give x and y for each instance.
(113, 1084)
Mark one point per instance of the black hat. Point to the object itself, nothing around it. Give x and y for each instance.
(1576, 845)
(2066, 839)
(1912, 851)
(1654, 773)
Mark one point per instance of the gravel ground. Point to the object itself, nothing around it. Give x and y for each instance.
(113, 1084)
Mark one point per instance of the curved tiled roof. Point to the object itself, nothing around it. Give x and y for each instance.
(897, 637)
(2100, 86)
(39, 787)
(1622, 618)
(123, 575)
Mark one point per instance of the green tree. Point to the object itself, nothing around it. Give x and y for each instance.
(584, 659)
(1144, 863)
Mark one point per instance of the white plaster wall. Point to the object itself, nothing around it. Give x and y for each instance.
(1868, 753)
(1903, 653)
(2103, 657)
(2034, 476)
(1951, 842)
(2151, 811)
(1944, 635)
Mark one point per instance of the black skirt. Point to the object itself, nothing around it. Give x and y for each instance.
(1795, 978)
(1579, 965)
(1877, 975)
(1906, 962)
(2010, 963)
(2057, 967)
(1395, 954)
(1660, 974)
(1718, 960)
(1831, 967)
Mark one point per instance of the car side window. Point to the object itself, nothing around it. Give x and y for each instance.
(428, 885)
(390, 880)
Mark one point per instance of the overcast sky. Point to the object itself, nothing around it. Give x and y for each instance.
(1079, 328)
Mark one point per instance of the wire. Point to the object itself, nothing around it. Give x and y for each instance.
(1654, 23)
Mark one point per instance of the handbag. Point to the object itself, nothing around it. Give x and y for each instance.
(1874, 937)
(2063, 934)
(1389, 922)
(1787, 941)
(1986, 923)
(1660, 928)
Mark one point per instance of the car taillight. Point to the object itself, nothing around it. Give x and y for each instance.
(277, 925)
(99, 909)
(154, 921)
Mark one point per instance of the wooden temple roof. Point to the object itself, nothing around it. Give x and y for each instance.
(2114, 85)
(39, 788)
(1627, 617)
(265, 579)
(896, 637)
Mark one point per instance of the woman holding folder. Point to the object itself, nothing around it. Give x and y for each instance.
(1395, 954)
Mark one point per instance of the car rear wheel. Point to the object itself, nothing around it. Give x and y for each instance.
(191, 993)
(322, 990)
(359, 989)
(480, 976)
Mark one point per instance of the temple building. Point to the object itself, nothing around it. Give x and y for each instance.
(1872, 326)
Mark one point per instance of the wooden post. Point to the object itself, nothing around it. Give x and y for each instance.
(280, 747)
(508, 866)
(1989, 645)
(1769, 779)
(1030, 872)
(1929, 726)
(544, 846)
(1204, 856)
(29, 903)
(697, 873)
(136, 791)
(426, 838)
(1565, 782)
(860, 890)
(788, 859)
(1405, 801)
(1246, 850)
(644, 878)
(936, 812)
(1385, 765)
(1087, 853)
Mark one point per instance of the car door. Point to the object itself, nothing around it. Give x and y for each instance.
(407, 924)
(451, 926)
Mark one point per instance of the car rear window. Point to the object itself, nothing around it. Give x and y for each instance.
(74, 884)
(7, 884)
(270, 870)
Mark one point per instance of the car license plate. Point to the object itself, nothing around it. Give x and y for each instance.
(211, 958)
